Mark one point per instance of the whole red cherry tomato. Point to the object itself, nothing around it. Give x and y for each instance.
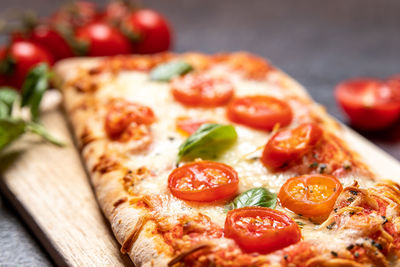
(103, 40)
(369, 103)
(18, 59)
(151, 28)
(52, 40)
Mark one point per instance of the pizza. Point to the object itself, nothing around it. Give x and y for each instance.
(224, 160)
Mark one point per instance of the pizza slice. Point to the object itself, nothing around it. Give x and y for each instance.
(224, 160)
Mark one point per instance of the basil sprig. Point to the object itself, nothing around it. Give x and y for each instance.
(258, 196)
(11, 128)
(207, 142)
(33, 88)
(167, 71)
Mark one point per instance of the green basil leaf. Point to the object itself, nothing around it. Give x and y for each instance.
(8, 96)
(4, 110)
(35, 84)
(258, 196)
(10, 130)
(38, 129)
(209, 140)
(167, 71)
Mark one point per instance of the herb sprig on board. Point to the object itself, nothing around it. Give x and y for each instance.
(12, 127)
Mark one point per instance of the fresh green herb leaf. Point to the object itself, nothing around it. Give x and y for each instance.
(169, 70)
(258, 196)
(7, 98)
(38, 129)
(209, 140)
(8, 95)
(35, 84)
(4, 110)
(10, 130)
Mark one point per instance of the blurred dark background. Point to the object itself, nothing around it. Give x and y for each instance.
(319, 43)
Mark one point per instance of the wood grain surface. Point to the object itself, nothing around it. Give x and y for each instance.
(49, 187)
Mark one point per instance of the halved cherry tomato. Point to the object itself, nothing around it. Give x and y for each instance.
(122, 114)
(370, 104)
(262, 230)
(310, 195)
(290, 144)
(261, 112)
(201, 90)
(103, 40)
(203, 181)
(18, 59)
(151, 28)
(188, 126)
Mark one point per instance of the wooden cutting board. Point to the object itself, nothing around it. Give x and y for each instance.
(49, 187)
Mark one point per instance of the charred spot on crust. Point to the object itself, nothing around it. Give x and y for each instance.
(120, 201)
(86, 138)
(105, 164)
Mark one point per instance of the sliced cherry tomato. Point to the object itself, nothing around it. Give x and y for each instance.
(310, 195)
(201, 90)
(203, 181)
(288, 145)
(103, 40)
(122, 114)
(151, 29)
(370, 104)
(18, 59)
(188, 126)
(52, 40)
(262, 230)
(261, 112)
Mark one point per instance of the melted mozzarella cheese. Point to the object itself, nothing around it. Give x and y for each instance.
(243, 156)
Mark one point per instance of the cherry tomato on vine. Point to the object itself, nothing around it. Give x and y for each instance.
(203, 181)
(262, 230)
(287, 145)
(18, 59)
(150, 30)
(370, 104)
(52, 40)
(312, 196)
(75, 14)
(103, 40)
(260, 112)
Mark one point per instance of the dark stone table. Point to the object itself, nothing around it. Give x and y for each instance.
(317, 42)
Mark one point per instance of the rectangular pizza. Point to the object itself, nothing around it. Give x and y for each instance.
(224, 160)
